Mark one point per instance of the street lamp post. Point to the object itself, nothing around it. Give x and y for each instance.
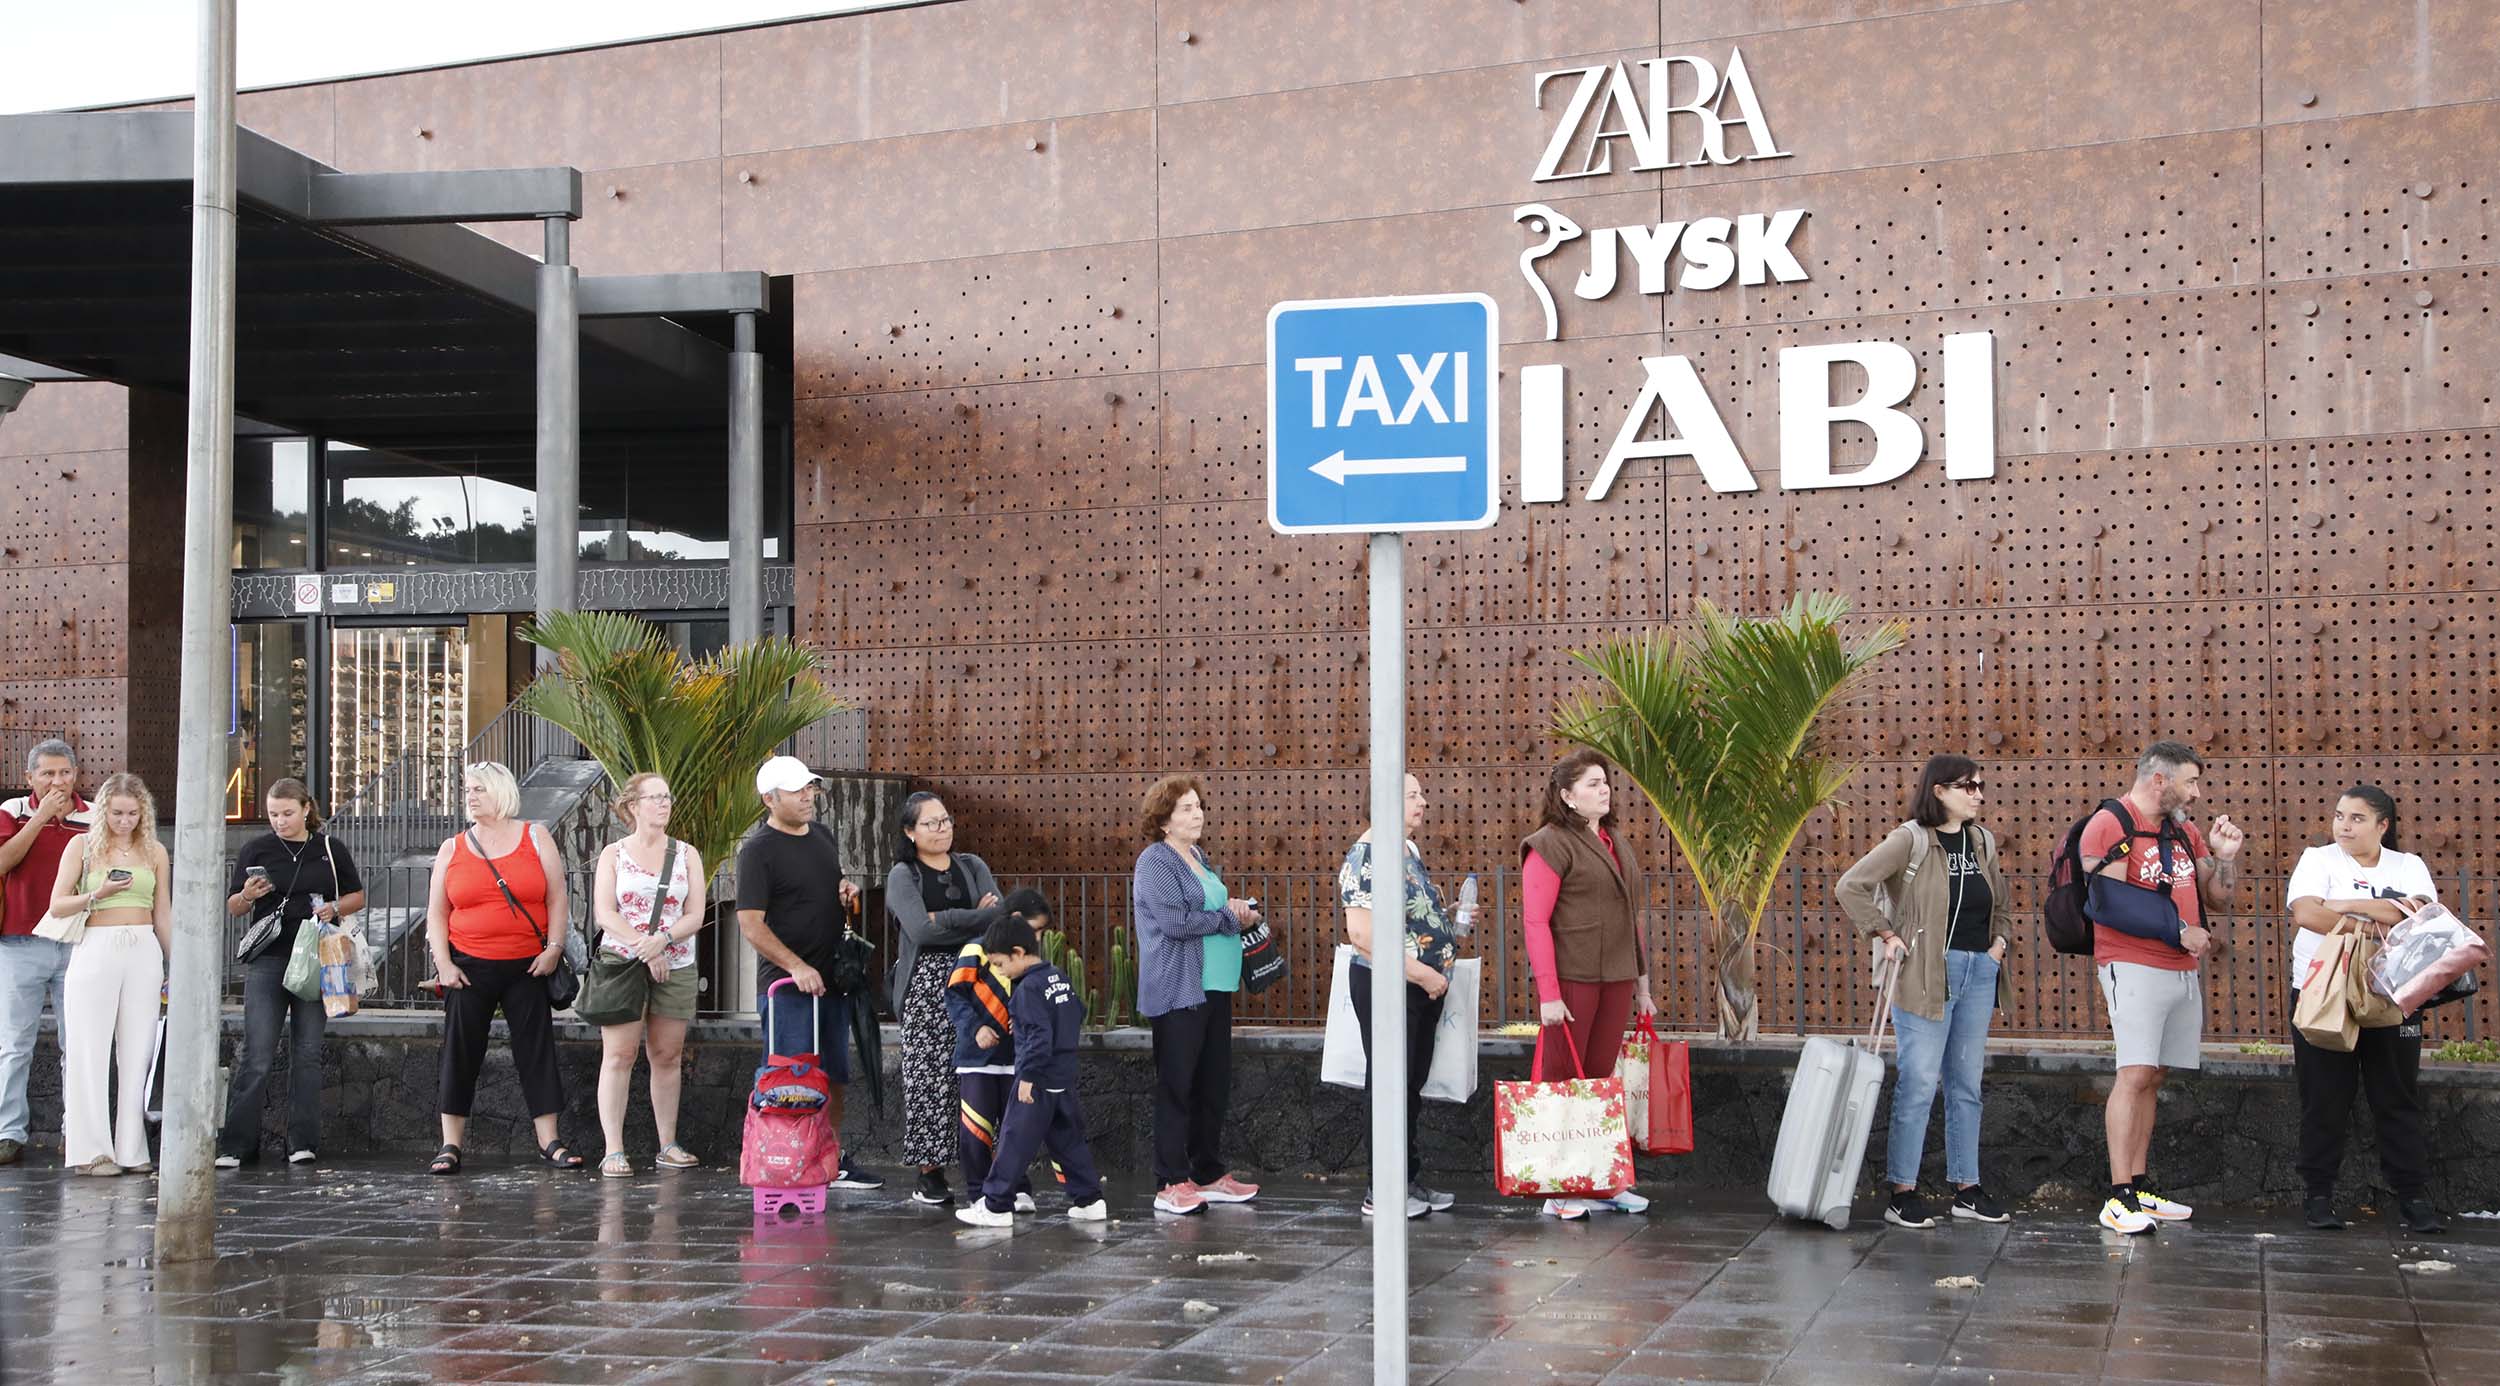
(186, 1223)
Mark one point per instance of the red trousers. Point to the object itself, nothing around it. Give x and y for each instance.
(1600, 1014)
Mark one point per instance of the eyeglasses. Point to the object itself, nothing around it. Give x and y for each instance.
(659, 798)
(1966, 786)
(937, 823)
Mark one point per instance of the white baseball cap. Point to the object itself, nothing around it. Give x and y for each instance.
(784, 773)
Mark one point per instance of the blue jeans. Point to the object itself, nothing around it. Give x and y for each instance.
(269, 1007)
(1951, 1051)
(31, 970)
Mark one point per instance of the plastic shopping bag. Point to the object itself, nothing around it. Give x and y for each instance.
(337, 951)
(2422, 955)
(303, 965)
(1452, 1077)
(1341, 1052)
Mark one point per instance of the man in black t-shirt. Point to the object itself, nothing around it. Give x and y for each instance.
(792, 901)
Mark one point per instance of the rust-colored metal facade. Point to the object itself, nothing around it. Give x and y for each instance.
(2238, 258)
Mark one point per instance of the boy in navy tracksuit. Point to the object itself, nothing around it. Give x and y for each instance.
(1047, 1019)
(977, 999)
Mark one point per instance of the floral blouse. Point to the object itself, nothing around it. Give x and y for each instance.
(1429, 939)
(634, 889)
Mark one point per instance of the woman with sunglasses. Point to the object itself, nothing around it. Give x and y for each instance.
(1933, 892)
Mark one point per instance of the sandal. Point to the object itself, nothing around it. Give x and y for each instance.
(446, 1161)
(678, 1157)
(559, 1155)
(618, 1165)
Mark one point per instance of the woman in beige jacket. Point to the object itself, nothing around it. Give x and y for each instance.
(1933, 892)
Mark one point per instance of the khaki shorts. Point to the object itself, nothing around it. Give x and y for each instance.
(2156, 1015)
(675, 997)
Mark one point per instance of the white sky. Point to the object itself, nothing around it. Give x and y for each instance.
(65, 53)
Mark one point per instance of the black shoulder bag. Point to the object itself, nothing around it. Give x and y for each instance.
(562, 984)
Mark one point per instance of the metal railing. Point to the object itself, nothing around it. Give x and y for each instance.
(1811, 970)
(415, 800)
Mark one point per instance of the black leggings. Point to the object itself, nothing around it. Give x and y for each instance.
(469, 1014)
(1193, 1090)
(2385, 1063)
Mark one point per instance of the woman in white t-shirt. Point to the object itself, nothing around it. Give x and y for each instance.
(2360, 881)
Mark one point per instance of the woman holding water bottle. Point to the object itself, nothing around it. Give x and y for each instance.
(1430, 949)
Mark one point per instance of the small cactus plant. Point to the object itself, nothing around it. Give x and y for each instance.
(1122, 984)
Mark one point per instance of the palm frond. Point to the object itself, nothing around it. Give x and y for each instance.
(1716, 724)
(636, 703)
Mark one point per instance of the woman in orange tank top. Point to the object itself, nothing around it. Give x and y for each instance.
(495, 952)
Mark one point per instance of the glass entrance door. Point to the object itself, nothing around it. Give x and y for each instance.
(399, 697)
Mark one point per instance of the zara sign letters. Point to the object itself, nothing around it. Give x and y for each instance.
(1627, 115)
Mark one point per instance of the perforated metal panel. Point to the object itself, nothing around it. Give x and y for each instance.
(949, 323)
(2055, 529)
(2382, 353)
(1055, 445)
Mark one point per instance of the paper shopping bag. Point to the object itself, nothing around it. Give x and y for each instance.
(1452, 1077)
(2325, 1016)
(1657, 1079)
(1341, 1052)
(2371, 1010)
(1563, 1139)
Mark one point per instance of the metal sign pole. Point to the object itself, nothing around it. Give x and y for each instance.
(1388, 998)
(186, 1223)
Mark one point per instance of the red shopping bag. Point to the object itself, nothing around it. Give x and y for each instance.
(1561, 1140)
(1657, 1076)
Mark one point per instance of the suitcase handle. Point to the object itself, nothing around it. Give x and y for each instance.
(772, 1043)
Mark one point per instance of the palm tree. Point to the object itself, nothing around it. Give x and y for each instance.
(636, 703)
(1716, 724)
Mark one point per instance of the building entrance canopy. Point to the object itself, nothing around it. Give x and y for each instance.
(365, 312)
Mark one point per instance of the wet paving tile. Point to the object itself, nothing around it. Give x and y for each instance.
(524, 1276)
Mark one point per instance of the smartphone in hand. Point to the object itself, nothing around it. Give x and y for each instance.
(118, 875)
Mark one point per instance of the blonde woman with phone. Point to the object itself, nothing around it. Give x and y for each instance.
(117, 875)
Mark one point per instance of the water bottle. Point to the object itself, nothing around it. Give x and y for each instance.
(1465, 919)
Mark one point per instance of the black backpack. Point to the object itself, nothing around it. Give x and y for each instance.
(2065, 914)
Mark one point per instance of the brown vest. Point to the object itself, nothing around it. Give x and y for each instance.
(1597, 935)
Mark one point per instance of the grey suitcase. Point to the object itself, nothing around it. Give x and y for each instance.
(1831, 1108)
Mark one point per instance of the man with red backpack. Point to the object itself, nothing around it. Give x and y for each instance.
(2148, 935)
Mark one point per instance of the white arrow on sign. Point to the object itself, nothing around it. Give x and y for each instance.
(1336, 467)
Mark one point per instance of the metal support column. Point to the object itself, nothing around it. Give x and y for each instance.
(746, 486)
(186, 1223)
(1388, 998)
(559, 424)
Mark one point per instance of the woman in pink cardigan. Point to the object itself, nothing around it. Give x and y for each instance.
(1583, 894)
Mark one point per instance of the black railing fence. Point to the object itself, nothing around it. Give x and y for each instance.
(1811, 971)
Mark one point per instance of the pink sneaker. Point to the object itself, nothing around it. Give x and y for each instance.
(1180, 1198)
(1228, 1190)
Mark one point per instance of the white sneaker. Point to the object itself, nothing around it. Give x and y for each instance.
(1629, 1202)
(978, 1214)
(2160, 1209)
(301, 1157)
(1025, 1204)
(229, 1162)
(1080, 1212)
(1568, 1209)
(2118, 1216)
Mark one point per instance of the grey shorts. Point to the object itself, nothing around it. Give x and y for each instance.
(2156, 1015)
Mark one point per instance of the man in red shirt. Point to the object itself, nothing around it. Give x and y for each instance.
(35, 829)
(2149, 980)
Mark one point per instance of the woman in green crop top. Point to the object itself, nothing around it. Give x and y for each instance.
(117, 873)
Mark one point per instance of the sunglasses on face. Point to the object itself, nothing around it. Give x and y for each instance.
(1966, 786)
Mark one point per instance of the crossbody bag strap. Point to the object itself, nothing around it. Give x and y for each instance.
(668, 873)
(508, 897)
